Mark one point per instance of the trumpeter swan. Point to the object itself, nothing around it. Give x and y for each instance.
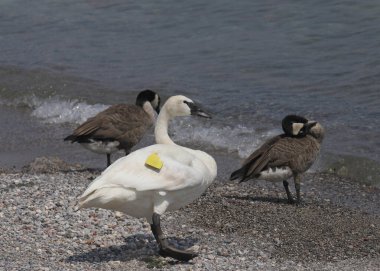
(155, 179)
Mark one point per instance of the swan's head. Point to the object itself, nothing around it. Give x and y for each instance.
(293, 125)
(151, 97)
(182, 106)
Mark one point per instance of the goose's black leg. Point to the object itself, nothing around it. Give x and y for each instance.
(290, 198)
(108, 159)
(297, 184)
(165, 249)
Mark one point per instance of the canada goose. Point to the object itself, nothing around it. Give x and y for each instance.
(158, 178)
(286, 155)
(119, 127)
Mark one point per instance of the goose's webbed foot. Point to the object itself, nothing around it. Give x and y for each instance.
(300, 203)
(288, 194)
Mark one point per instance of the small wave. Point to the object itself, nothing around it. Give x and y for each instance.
(211, 135)
(241, 139)
(55, 110)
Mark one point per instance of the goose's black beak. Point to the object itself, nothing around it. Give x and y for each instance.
(307, 126)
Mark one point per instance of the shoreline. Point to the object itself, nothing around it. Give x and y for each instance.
(247, 226)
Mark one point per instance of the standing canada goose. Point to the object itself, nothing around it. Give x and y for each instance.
(286, 155)
(155, 179)
(119, 127)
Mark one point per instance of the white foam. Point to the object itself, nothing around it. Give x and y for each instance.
(212, 135)
(56, 110)
(241, 139)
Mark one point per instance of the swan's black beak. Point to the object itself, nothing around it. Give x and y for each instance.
(197, 111)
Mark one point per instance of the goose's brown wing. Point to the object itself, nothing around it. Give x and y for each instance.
(263, 148)
(286, 151)
(124, 123)
(256, 161)
(297, 153)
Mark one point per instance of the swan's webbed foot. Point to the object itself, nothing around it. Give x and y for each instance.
(165, 249)
(168, 251)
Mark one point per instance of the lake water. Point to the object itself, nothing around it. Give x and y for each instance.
(250, 63)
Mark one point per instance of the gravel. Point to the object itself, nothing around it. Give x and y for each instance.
(232, 226)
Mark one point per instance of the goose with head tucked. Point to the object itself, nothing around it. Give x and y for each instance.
(155, 179)
(286, 155)
(294, 125)
(119, 127)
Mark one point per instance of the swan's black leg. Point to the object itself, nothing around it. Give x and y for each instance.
(290, 198)
(108, 159)
(165, 249)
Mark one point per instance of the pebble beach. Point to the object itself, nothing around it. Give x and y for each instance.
(232, 226)
(247, 63)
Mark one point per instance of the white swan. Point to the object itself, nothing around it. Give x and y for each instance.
(131, 186)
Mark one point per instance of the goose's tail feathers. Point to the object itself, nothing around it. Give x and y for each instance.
(239, 174)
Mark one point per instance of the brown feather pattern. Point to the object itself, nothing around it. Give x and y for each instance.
(123, 123)
(298, 153)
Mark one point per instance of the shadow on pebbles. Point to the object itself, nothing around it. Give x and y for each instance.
(314, 231)
(232, 226)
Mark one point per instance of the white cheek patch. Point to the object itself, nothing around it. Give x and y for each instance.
(296, 128)
(155, 101)
(150, 111)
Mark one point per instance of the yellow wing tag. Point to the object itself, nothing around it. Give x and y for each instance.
(154, 161)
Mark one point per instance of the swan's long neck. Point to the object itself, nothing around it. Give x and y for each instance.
(161, 129)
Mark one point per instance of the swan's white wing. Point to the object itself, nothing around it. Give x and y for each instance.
(180, 170)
